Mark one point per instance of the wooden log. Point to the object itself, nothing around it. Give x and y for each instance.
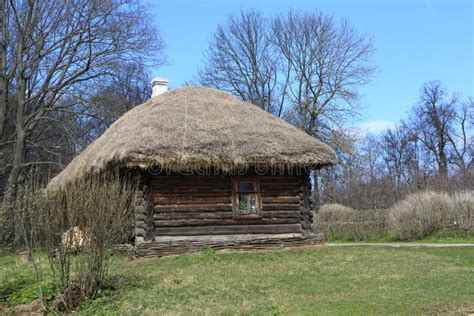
(185, 180)
(192, 208)
(157, 248)
(191, 193)
(223, 222)
(142, 225)
(140, 232)
(279, 177)
(192, 215)
(281, 200)
(140, 217)
(222, 215)
(278, 192)
(280, 207)
(222, 230)
(281, 214)
(188, 176)
(194, 187)
(275, 186)
(233, 237)
(192, 200)
(140, 208)
(190, 185)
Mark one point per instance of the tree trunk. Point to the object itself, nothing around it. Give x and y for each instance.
(3, 70)
(18, 157)
(443, 164)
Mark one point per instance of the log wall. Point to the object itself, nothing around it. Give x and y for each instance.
(196, 206)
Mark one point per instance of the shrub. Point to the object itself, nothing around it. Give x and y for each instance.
(338, 222)
(463, 212)
(333, 212)
(422, 214)
(100, 209)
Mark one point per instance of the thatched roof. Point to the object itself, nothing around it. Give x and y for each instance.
(197, 127)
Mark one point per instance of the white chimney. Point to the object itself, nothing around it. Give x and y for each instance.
(159, 86)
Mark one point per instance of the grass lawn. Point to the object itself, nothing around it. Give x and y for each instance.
(443, 236)
(360, 280)
(449, 235)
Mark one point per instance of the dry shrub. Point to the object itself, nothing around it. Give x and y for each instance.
(421, 214)
(100, 210)
(333, 212)
(338, 222)
(463, 212)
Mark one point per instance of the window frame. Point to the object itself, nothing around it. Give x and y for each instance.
(236, 193)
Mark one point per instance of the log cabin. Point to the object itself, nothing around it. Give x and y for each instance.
(213, 172)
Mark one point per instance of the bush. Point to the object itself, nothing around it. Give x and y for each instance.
(333, 212)
(338, 222)
(463, 212)
(99, 210)
(421, 214)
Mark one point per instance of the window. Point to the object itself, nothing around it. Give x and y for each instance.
(246, 197)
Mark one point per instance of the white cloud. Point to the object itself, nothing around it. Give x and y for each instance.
(376, 126)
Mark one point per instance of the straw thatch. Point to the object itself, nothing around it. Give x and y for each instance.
(197, 127)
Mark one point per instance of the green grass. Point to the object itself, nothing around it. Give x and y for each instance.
(18, 282)
(340, 281)
(451, 235)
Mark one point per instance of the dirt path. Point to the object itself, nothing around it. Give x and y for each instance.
(399, 245)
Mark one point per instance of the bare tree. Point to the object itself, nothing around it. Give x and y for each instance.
(4, 72)
(128, 88)
(327, 60)
(432, 122)
(397, 152)
(241, 61)
(51, 52)
(377, 171)
(335, 181)
(462, 143)
(309, 64)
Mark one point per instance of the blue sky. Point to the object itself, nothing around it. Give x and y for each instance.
(415, 41)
